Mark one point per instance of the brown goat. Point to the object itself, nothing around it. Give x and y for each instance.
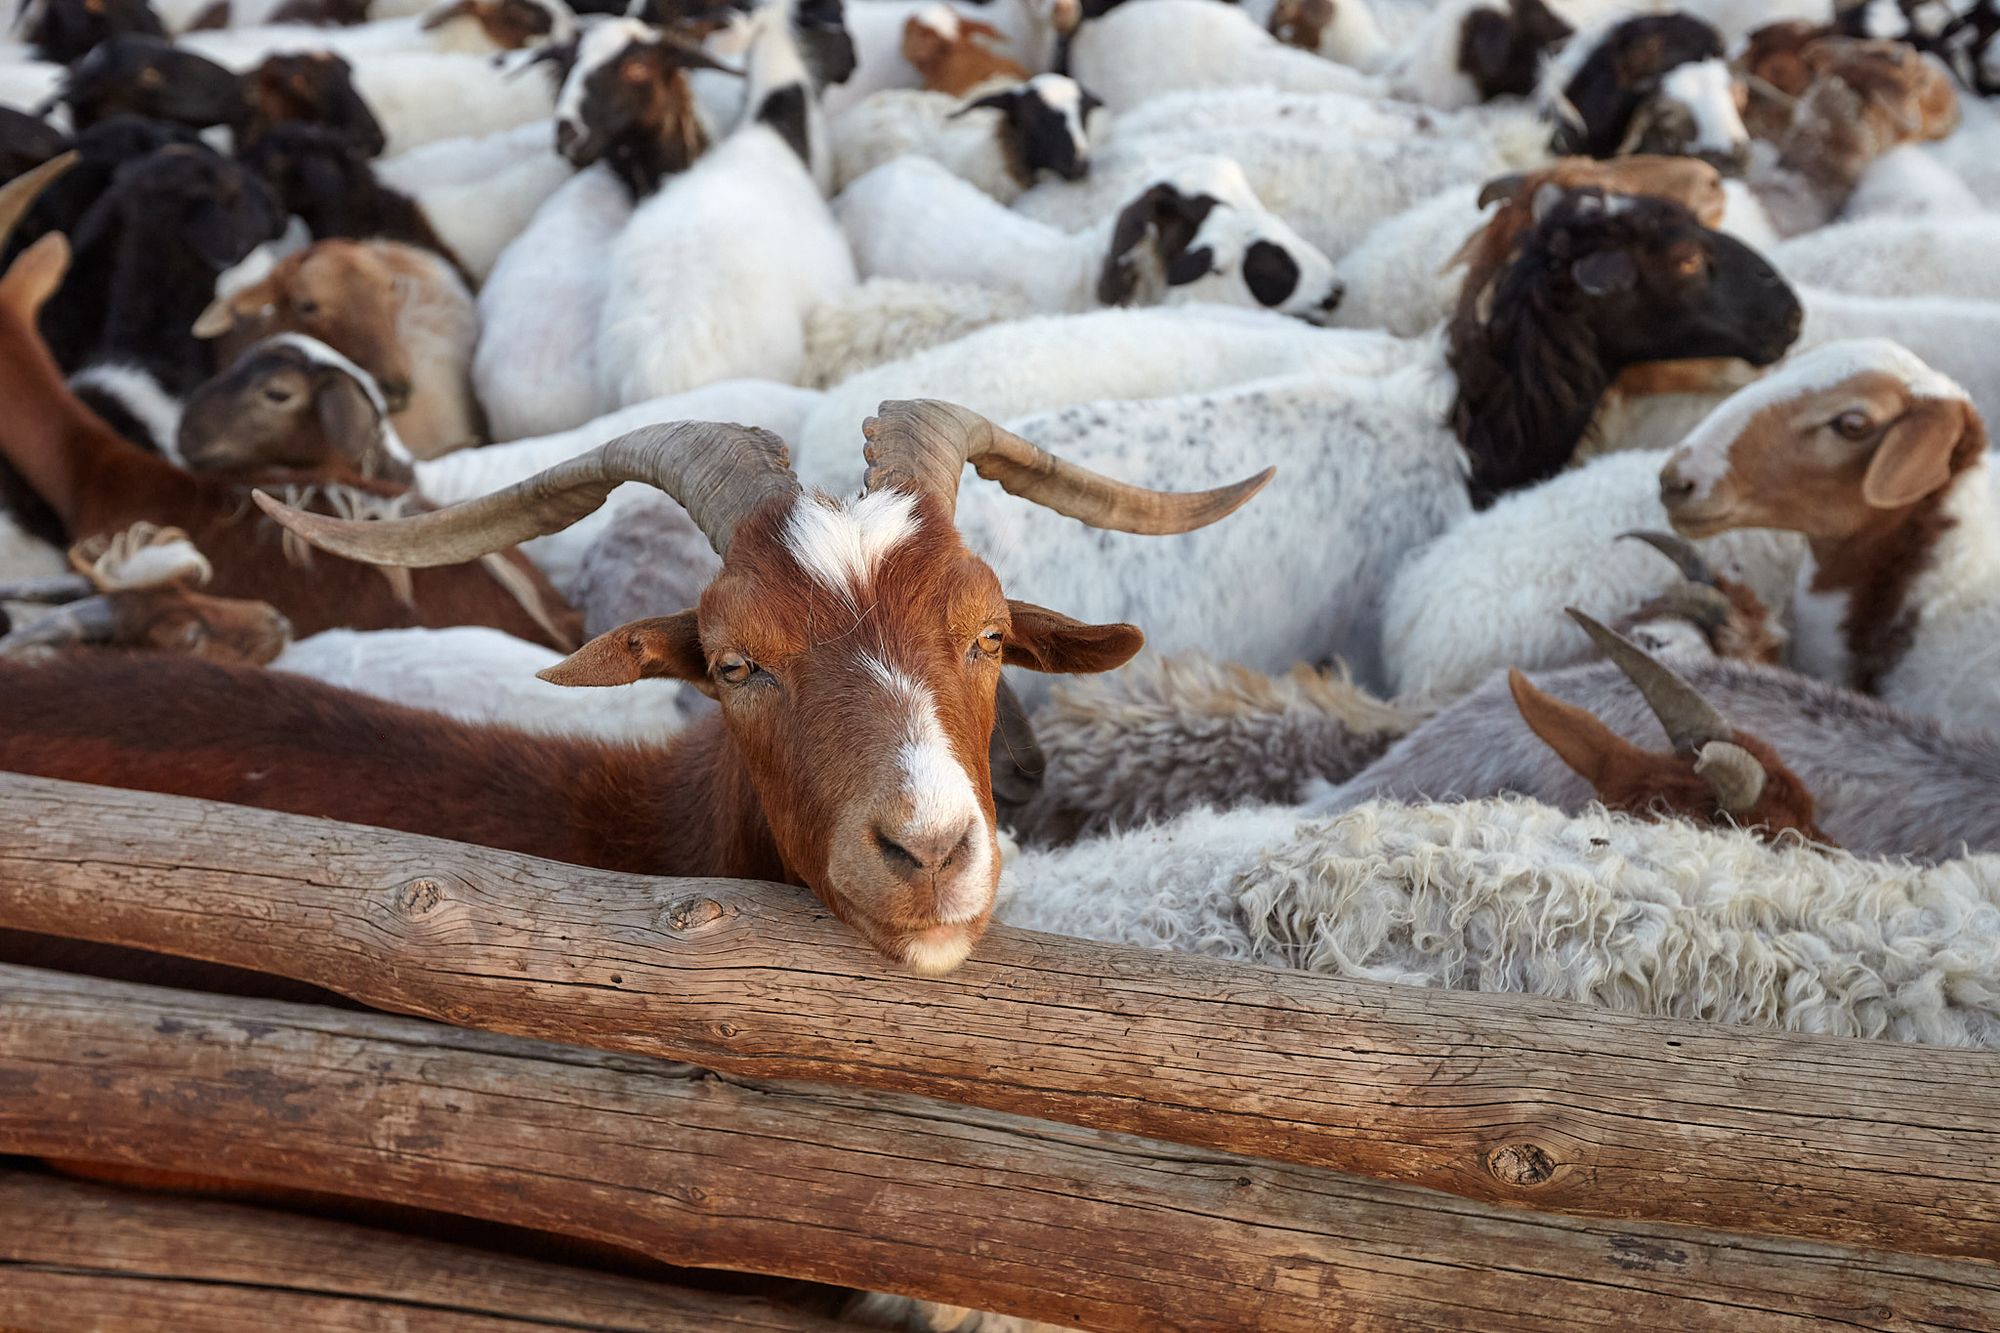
(399, 312)
(954, 53)
(96, 483)
(855, 649)
(1714, 775)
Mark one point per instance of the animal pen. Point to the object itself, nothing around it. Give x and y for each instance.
(717, 1074)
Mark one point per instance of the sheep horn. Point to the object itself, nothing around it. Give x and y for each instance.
(923, 444)
(1688, 719)
(718, 473)
(1679, 550)
(48, 589)
(18, 194)
(1733, 774)
(92, 620)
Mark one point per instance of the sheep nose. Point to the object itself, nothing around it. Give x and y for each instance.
(1333, 298)
(1674, 488)
(916, 855)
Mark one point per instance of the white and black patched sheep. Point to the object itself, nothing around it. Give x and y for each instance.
(1001, 141)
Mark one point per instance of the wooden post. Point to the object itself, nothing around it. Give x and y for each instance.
(874, 1190)
(75, 1256)
(1501, 1098)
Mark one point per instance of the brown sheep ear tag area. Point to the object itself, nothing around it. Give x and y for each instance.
(1914, 457)
(35, 275)
(1590, 748)
(667, 646)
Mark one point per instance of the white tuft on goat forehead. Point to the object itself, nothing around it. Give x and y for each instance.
(840, 543)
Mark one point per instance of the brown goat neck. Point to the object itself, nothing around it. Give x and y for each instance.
(283, 742)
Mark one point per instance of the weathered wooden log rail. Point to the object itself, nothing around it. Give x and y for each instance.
(875, 1190)
(81, 1256)
(1502, 1100)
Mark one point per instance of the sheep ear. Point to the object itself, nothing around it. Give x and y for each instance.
(34, 276)
(1605, 272)
(1192, 266)
(1591, 749)
(218, 319)
(1002, 101)
(1044, 640)
(1914, 457)
(1119, 278)
(666, 647)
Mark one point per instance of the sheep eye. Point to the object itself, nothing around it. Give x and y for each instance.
(1691, 264)
(278, 396)
(734, 668)
(1853, 425)
(308, 308)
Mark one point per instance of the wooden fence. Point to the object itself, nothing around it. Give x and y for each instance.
(718, 1075)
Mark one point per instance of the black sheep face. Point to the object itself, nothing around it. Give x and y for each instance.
(67, 30)
(1047, 129)
(1501, 51)
(211, 204)
(1656, 285)
(316, 88)
(149, 77)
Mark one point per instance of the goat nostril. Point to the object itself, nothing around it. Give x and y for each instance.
(895, 853)
(1674, 489)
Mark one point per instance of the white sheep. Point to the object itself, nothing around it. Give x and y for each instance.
(1910, 181)
(1897, 256)
(1000, 141)
(712, 277)
(480, 192)
(535, 369)
(1142, 50)
(1054, 361)
(884, 320)
(1193, 233)
(1509, 895)
(1330, 188)
(1490, 592)
(482, 675)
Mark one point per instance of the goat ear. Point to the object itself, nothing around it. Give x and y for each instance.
(1044, 640)
(1914, 457)
(1591, 749)
(34, 276)
(665, 647)
(1605, 272)
(1191, 266)
(348, 420)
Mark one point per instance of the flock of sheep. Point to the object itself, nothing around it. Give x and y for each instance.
(1621, 621)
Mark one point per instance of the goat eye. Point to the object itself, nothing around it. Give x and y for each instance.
(1691, 265)
(734, 668)
(1854, 425)
(279, 396)
(990, 640)
(308, 308)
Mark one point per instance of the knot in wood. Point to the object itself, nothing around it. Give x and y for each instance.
(686, 915)
(419, 896)
(1521, 1164)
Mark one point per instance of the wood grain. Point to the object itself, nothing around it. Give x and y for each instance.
(1508, 1099)
(84, 1257)
(874, 1190)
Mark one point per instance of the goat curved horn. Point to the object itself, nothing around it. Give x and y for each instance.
(1706, 607)
(18, 194)
(1689, 720)
(1678, 549)
(1733, 774)
(923, 444)
(718, 473)
(92, 620)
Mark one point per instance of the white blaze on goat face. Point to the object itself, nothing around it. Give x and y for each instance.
(1708, 90)
(941, 799)
(841, 545)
